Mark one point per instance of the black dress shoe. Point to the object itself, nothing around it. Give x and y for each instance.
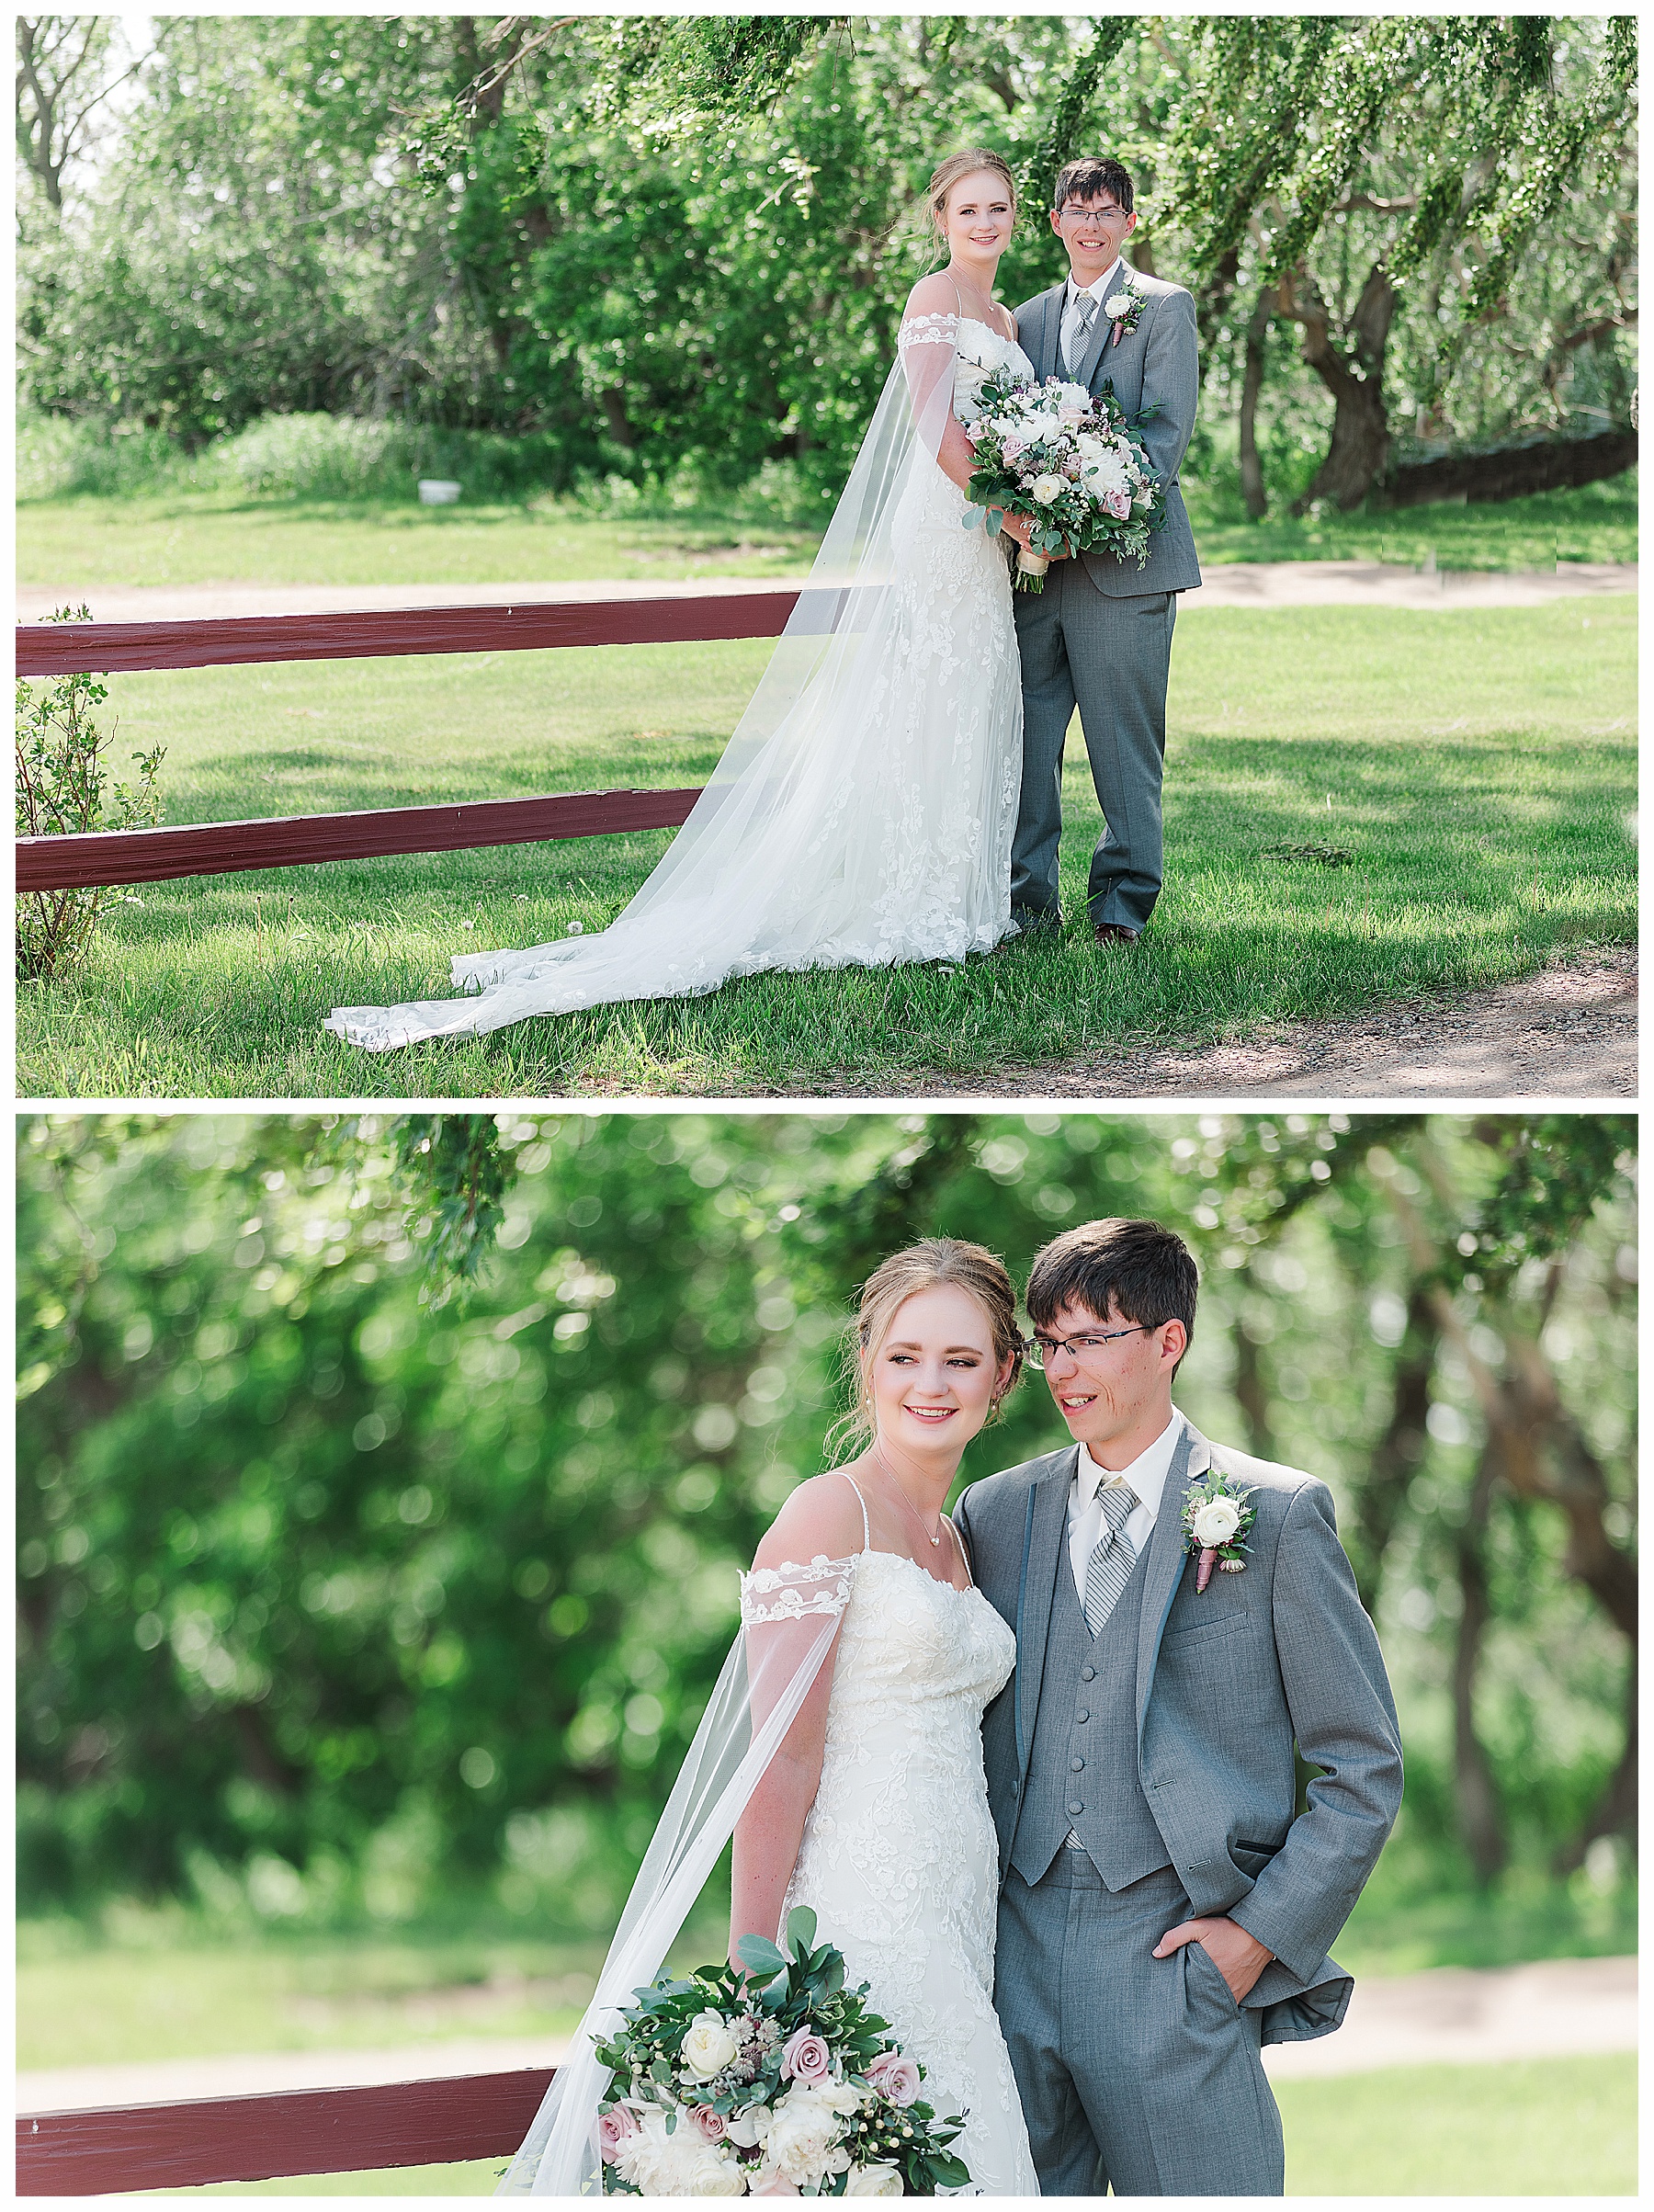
(1035, 921)
(1114, 932)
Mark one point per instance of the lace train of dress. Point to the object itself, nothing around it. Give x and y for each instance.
(872, 825)
(900, 1861)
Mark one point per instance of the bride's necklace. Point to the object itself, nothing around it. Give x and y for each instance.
(986, 319)
(878, 1461)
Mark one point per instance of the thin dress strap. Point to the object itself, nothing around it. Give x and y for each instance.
(866, 1531)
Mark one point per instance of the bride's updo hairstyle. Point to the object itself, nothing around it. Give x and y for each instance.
(925, 1267)
(947, 177)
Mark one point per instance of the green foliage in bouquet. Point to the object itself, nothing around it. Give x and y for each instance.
(781, 2069)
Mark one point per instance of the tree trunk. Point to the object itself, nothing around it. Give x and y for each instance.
(1251, 1395)
(1480, 1821)
(1252, 489)
(1359, 443)
(1534, 464)
(1615, 1812)
(614, 414)
(1400, 1451)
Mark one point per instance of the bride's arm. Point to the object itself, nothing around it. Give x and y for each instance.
(930, 371)
(821, 1519)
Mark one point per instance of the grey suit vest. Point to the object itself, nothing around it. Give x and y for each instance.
(1082, 1766)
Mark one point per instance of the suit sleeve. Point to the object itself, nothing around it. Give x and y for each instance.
(962, 1523)
(1171, 382)
(1345, 1720)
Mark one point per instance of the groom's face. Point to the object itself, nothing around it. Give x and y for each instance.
(1116, 1392)
(1093, 230)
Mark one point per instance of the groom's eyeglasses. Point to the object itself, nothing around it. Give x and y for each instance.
(1074, 213)
(1039, 1349)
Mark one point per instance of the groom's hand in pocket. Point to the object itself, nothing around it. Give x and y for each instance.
(1238, 1957)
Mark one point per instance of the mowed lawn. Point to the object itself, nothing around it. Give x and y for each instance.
(1467, 778)
(184, 537)
(1534, 2127)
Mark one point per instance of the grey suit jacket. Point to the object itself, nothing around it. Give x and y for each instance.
(1157, 365)
(1227, 1681)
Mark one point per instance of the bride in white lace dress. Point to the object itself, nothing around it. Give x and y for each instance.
(862, 812)
(875, 1812)
(841, 1745)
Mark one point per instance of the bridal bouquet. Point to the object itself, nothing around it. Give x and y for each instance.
(1072, 464)
(783, 2085)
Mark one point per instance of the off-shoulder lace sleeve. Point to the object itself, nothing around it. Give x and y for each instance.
(793, 1590)
(927, 330)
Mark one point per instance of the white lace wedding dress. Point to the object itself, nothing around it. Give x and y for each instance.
(900, 1861)
(862, 813)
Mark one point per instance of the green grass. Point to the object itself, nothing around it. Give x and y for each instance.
(78, 544)
(1536, 2128)
(1479, 768)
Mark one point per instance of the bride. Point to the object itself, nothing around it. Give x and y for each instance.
(863, 811)
(842, 1744)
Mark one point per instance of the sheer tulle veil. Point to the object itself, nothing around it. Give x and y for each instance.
(710, 882)
(789, 1619)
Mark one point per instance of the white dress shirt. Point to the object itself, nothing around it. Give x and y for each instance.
(1146, 1475)
(1098, 291)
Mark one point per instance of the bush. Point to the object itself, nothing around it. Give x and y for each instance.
(62, 774)
(58, 459)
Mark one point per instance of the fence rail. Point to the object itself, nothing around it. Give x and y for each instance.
(83, 860)
(115, 2149)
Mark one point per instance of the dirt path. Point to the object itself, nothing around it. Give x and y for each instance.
(1568, 1032)
(1228, 584)
(1446, 2015)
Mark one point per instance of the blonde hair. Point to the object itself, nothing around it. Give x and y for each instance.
(926, 1265)
(948, 174)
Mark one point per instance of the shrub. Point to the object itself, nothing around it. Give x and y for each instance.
(62, 773)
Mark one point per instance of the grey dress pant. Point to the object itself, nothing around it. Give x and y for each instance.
(1136, 2073)
(1113, 657)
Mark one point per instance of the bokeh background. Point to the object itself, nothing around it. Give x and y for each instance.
(383, 1483)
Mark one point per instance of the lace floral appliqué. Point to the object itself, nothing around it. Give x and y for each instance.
(792, 1590)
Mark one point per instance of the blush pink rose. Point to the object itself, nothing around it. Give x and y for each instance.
(1118, 504)
(895, 2076)
(712, 2124)
(1010, 445)
(806, 2058)
(613, 2130)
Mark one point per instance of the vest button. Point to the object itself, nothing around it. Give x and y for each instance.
(1082, 1715)
(1088, 1673)
(1076, 1766)
(1016, 1789)
(1075, 1806)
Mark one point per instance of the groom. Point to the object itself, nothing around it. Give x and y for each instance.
(1100, 633)
(1162, 1913)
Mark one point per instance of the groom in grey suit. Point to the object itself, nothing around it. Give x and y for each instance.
(1100, 633)
(1162, 1911)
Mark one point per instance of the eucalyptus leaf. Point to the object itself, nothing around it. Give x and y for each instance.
(800, 1930)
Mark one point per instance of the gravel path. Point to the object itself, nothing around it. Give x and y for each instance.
(1448, 2015)
(1568, 1032)
(1228, 584)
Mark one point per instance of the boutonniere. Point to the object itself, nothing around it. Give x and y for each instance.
(1216, 1520)
(1125, 308)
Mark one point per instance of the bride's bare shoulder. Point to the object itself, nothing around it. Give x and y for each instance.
(933, 295)
(821, 1519)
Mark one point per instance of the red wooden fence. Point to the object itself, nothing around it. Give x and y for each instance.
(268, 2138)
(104, 857)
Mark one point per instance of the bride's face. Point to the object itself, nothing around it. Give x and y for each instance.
(978, 217)
(933, 1377)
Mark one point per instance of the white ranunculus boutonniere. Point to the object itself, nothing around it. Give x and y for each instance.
(1218, 1518)
(1124, 310)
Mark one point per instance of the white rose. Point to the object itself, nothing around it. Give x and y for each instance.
(709, 2046)
(1045, 489)
(1215, 1522)
(1119, 305)
(875, 2181)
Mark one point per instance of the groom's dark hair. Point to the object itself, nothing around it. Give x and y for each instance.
(1089, 179)
(1143, 1270)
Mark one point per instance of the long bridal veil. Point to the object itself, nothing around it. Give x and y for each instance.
(790, 1617)
(765, 872)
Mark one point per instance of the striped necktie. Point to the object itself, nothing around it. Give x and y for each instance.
(1076, 330)
(1113, 1555)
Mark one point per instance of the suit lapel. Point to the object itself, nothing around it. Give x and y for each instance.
(1047, 1529)
(1101, 330)
(1050, 330)
(1163, 1568)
